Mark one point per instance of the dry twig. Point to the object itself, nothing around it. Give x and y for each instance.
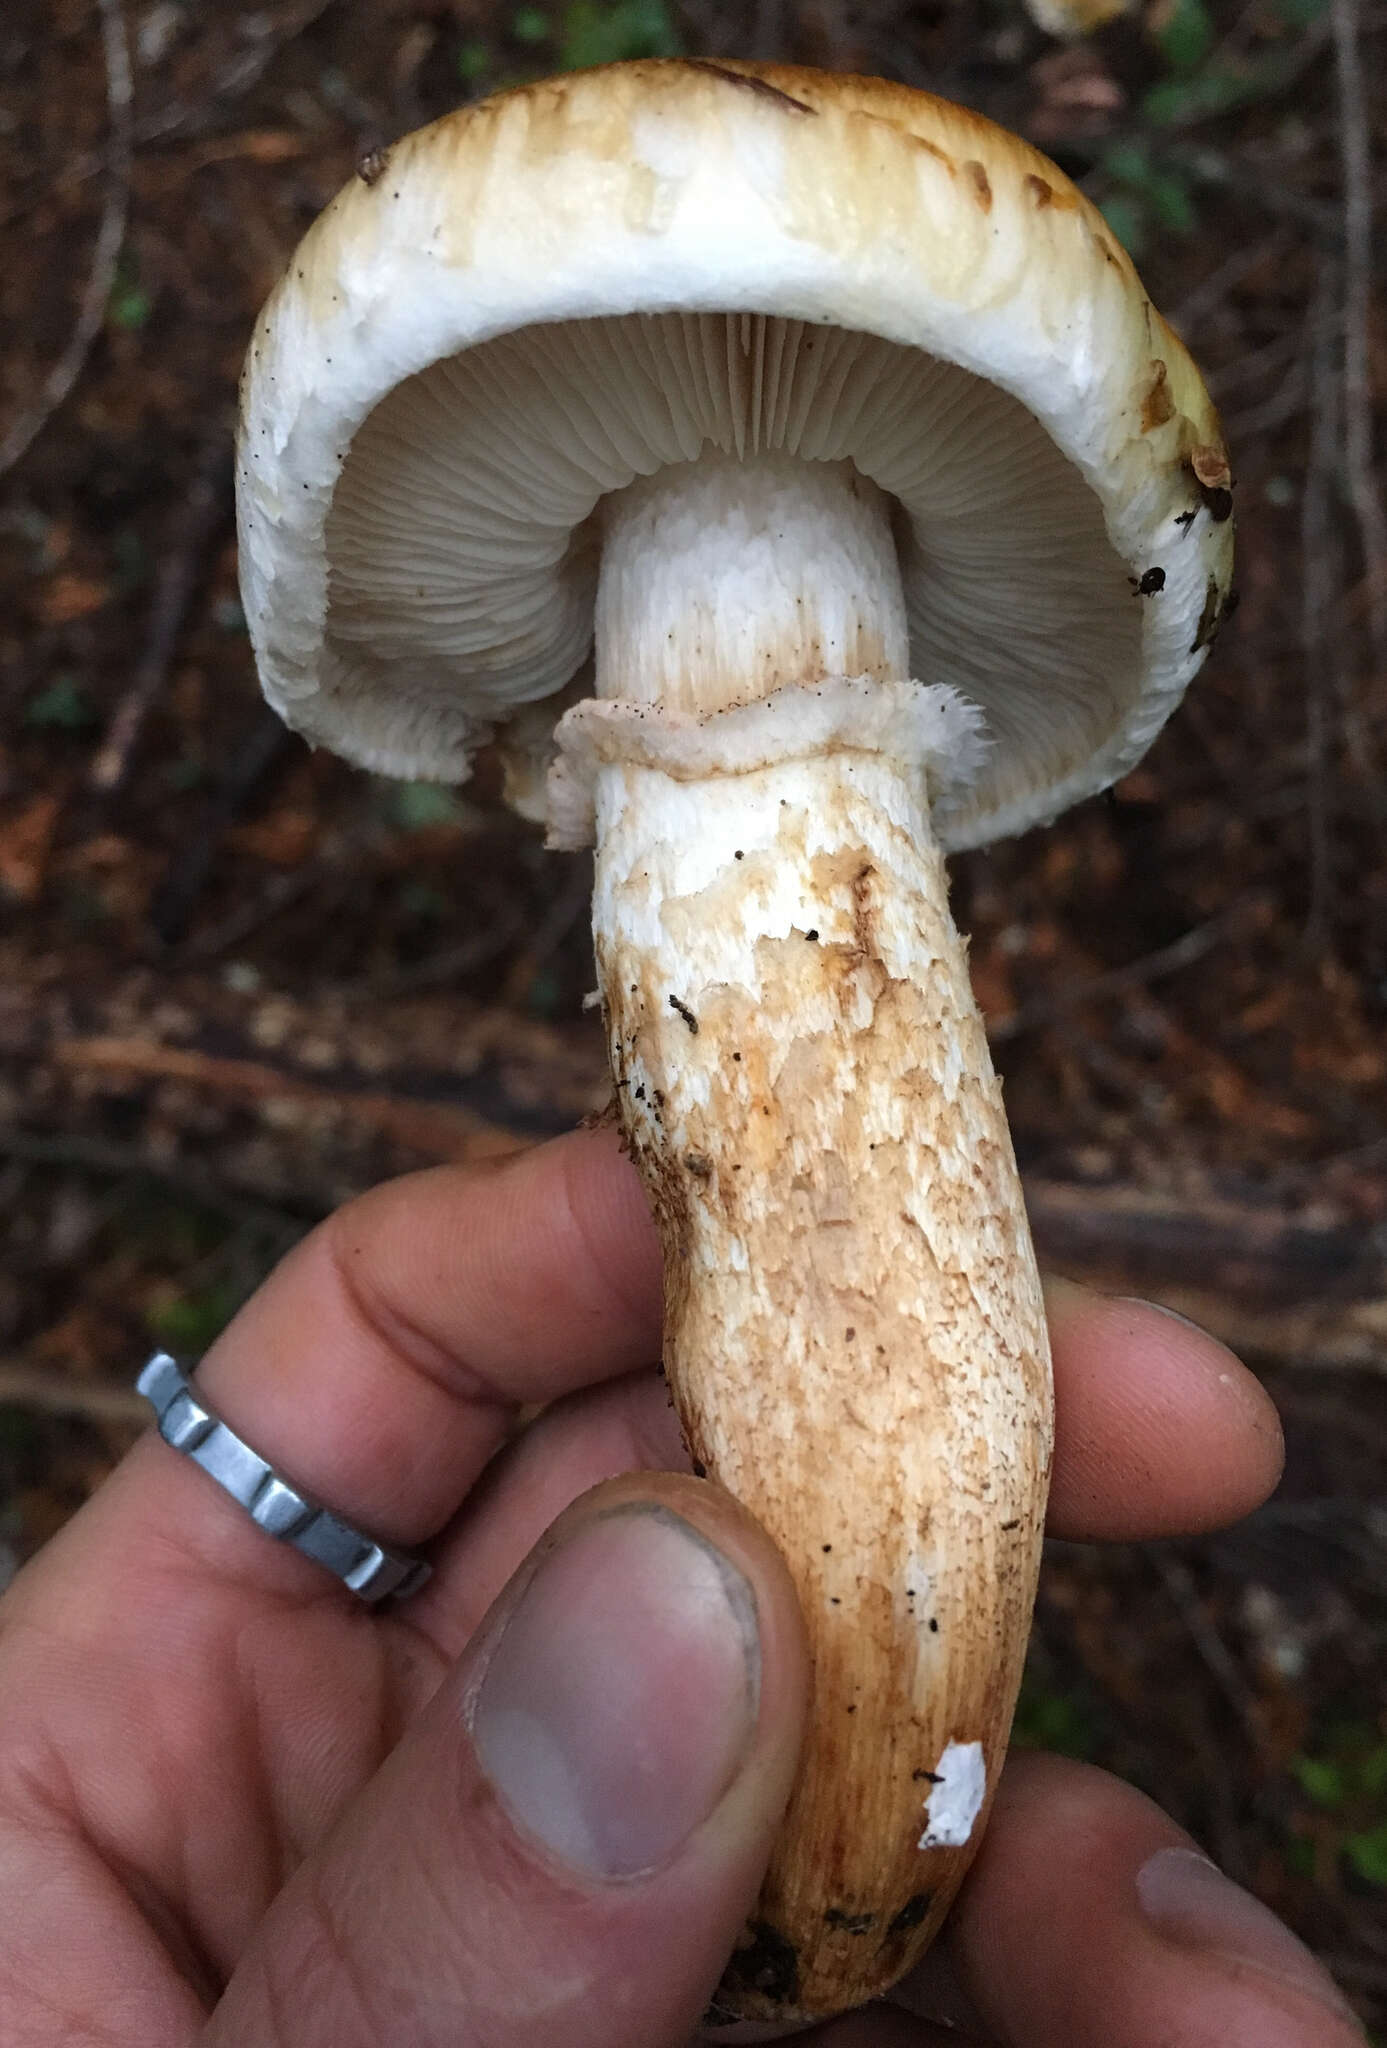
(1212, 290)
(201, 515)
(235, 79)
(1320, 584)
(267, 739)
(180, 120)
(337, 860)
(1214, 1653)
(110, 236)
(1180, 953)
(60, 1393)
(98, 1157)
(1355, 150)
(568, 903)
(1255, 422)
(443, 1130)
(451, 963)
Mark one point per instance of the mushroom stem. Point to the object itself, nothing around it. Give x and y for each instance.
(855, 1336)
(724, 578)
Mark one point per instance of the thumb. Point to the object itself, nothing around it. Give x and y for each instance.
(565, 1845)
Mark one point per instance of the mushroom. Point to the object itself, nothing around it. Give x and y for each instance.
(796, 465)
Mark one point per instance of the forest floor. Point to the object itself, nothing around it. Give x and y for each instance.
(238, 982)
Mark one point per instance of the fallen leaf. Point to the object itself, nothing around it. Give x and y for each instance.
(97, 855)
(1138, 787)
(69, 596)
(26, 839)
(82, 1341)
(1267, 1010)
(284, 839)
(260, 145)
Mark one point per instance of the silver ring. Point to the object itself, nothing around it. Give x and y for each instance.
(187, 1424)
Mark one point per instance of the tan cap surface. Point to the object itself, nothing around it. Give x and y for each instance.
(546, 295)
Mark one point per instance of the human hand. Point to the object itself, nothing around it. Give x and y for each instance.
(532, 1805)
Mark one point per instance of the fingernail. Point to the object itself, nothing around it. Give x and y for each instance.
(1189, 1901)
(621, 1696)
(1163, 1309)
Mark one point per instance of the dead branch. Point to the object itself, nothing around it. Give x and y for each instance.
(267, 739)
(438, 1130)
(450, 963)
(1320, 583)
(1218, 1660)
(1280, 1276)
(59, 1393)
(203, 512)
(1295, 1287)
(1355, 150)
(1282, 404)
(110, 236)
(1276, 1285)
(128, 1163)
(338, 855)
(568, 903)
(506, 1070)
(1211, 291)
(243, 72)
(1221, 172)
(232, 83)
(1165, 960)
(179, 120)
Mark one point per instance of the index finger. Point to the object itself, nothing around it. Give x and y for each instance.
(381, 1364)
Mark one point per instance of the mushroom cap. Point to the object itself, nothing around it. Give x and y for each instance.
(525, 306)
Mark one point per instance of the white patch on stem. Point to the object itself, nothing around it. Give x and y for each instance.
(956, 1797)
